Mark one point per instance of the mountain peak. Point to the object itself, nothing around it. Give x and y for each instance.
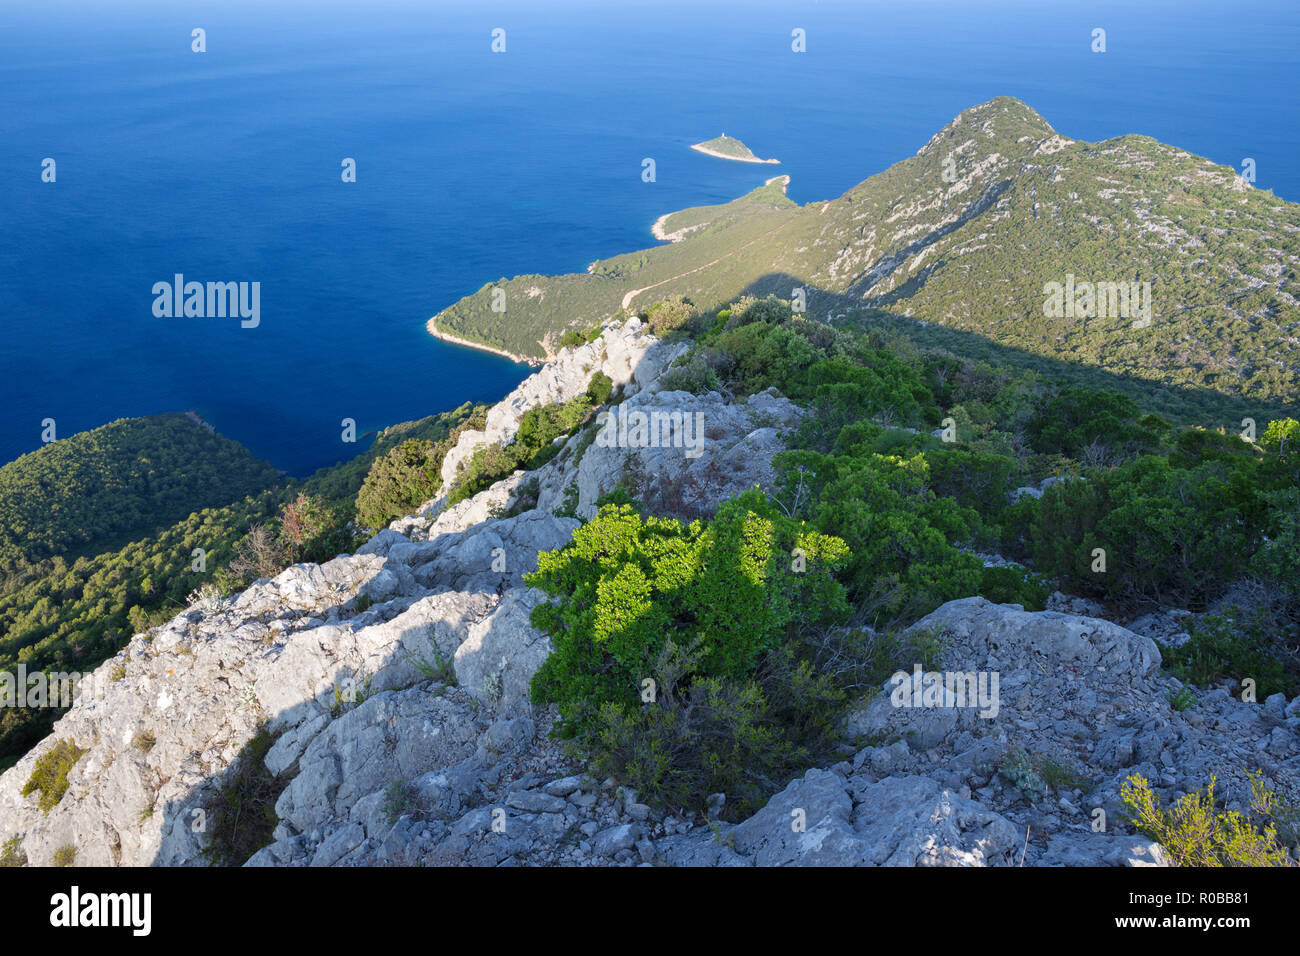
(1001, 122)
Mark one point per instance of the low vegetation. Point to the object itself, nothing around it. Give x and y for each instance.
(240, 816)
(536, 442)
(1196, 831)
(49, 779)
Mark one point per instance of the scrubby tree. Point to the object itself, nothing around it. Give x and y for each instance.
(400, 481)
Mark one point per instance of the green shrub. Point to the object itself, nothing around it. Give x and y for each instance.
(1080, 418)
(631, 585)
(1278, 558)
(742, 737)
(1237, 644)
(311, 529)
(1012, 584)
(398, 799)
(534, 443)
(578, 337)
(400, 481)
(1182, 699)
(599, 389)
(1282, 437)
(1195, 445)
(694, 375)
(50, 774)
(12, 853)
(748, 309)
(1171, 536)
(670, 315)
(903, 563)
(1195, 832)
(65, 856)
(441, 669)
(619, 495)
(975, 479)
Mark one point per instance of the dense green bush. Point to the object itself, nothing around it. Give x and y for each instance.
(684, 663)
(579, 337)
(1282, 437)
(731, 591)
(1173, 536)
(975, 479)
(670, 315)
(599, 389)
(400, 481)
(692, 374)
(904, 562)
(1011, 584)
(1078, 419)
(1196, 445)
(1237, 644)
(1278, 558)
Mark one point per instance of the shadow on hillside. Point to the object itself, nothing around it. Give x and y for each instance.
(1183, 404)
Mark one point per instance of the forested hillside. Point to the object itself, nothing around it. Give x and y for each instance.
(96, 488)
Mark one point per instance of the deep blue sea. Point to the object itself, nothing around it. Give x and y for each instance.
(473, 165)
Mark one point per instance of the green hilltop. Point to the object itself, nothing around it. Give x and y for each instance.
(728, 147)
(966, 235)
(89, 491)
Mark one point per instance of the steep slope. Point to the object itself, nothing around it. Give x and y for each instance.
(969, 233)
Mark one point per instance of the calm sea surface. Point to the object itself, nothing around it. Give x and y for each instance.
(225, 166)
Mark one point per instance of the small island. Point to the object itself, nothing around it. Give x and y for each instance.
(728, 147)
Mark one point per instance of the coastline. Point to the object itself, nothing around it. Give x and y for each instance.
(700, 148)
(657, 230)
(437, 333)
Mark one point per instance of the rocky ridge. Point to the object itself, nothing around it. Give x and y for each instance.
(380, 758)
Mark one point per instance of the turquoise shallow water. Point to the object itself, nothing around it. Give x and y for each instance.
(224, 166)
